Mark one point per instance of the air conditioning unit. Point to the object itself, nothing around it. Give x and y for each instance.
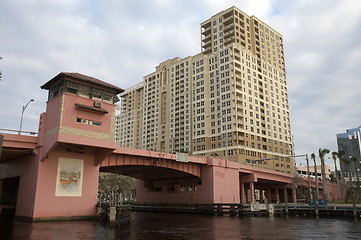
(97, 104)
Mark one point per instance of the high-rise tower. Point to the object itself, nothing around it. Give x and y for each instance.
(230, 101)
(350, 143)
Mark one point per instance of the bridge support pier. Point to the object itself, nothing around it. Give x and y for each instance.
(277, 195)
(294, 196)
(251, 187)
(243, 195)
(268, 194)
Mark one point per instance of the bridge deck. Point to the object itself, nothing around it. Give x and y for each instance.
(16, 146)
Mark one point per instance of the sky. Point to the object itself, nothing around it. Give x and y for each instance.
(121, 41)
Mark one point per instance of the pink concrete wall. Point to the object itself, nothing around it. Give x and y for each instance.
(332, 192)
(27, 187)
(50, 120)
(88, 141)
(219, 185)
(226, 185)
(70, 113)
(26, 168)
(49, 205)
(19, 141)
(53, 110)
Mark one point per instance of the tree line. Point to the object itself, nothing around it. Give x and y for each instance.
(350, 188)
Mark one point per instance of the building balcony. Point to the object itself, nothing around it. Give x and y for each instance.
(228, 27)
(229, 40)
(207, 50)
(239, 111)
(207, 31)
(206, 25)
(228, 20)
(207, 44)
(228, 34)
(240, 127)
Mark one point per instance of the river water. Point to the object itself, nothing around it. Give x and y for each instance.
(165, 226)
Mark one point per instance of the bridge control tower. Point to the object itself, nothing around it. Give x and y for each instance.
(80, 109)
(59, 180)
(76, 133)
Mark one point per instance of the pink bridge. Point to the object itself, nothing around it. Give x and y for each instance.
(161, 178)
(55, 175)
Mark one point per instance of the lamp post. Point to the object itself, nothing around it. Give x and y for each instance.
(22, 114)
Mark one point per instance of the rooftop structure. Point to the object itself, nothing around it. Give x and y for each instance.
(82, 85)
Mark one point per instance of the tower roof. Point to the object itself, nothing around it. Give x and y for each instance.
(82, 78)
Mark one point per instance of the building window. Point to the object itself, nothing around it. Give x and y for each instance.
(81, 120)
(90, 122)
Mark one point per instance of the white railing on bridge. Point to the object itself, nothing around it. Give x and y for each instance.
(18, 132)
(251, 163)
(113, 198)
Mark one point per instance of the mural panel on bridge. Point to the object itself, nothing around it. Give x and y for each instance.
(69, 178)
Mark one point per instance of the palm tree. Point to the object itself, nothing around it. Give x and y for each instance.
(354, 160)
(309, 178)
(340, 154)
(316, 180)
(334, 155)
(321, 154)
(348, 163)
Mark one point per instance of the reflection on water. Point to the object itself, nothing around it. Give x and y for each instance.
(162, 226)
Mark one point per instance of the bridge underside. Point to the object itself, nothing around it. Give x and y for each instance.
(14, 153)
(155, 177)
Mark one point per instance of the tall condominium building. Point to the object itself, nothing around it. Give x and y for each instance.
(350, 143)
(230, 101)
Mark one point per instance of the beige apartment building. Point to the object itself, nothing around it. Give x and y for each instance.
(230, 101)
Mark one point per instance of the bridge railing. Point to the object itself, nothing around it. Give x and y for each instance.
(197, 155)
(18, 132)
(112, 198)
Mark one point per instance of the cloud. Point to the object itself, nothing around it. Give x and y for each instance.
(321, 50)
(122, 41)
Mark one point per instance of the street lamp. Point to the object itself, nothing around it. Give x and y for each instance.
(22, 114)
